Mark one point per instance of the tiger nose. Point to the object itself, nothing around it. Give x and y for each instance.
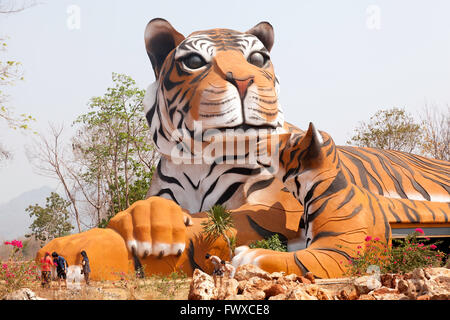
(241, 85)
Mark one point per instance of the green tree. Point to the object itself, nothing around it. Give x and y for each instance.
(113, 146)
(51, 221)
(219, 224)
(108, 163)
(390, 129)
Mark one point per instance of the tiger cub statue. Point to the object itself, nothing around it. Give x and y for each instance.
(338, 214)
(206, 84)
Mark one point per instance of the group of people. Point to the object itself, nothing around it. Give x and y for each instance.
(60, 263)
(221, 268)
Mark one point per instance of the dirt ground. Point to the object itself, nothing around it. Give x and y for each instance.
(145, 289)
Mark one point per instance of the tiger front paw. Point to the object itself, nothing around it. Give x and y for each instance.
(155, 226)
(267, 260)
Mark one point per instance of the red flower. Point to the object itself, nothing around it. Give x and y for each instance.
(433, 247)
(419, 230)
(15, 243)
(368, 238)
(376, 239)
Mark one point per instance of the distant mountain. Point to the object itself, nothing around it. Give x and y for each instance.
(14, 220)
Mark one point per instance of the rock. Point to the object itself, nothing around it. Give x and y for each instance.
(228, 289)
(343, 295)
(247, 271)
(202, 287)
(323, 295)
(418, 274)
(279, 297)
(22, 294)
(310, 277)
(300, 294)
(348, 294)
(238, 297)
(366, 297)
(274, 290)
(294, 277)
(276, 275)
(253, 293)
(442, 296)
(402, 286)
(388, 294)
(304, 280)
(438, 272)
(390, 280)
(365, 284)
(423, 297)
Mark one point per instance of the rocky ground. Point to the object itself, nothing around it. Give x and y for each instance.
(252, 283)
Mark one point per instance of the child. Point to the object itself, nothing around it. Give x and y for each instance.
(46, 267)
(86, 269)
(61, 265)
(218, 271)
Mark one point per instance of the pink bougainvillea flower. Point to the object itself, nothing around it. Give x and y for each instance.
(4, 266)
(420, 245)
(368, 238)
(376, 239)
(358, 247)
(419, 230)
(17, 243)
(433, 247)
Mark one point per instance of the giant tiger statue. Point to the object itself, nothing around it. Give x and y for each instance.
(222, 79)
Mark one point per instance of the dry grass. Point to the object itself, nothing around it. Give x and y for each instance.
(151, 288)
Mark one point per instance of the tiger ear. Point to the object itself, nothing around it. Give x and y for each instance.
(160, 39)
(311, 143)
(264, 32)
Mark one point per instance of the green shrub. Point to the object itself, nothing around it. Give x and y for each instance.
(408, 254)
(272, 243)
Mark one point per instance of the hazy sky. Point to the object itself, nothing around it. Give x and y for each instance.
(338, 61)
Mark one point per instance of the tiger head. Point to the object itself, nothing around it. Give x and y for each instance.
(219, 79)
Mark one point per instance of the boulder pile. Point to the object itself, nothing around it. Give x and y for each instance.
(252, 283)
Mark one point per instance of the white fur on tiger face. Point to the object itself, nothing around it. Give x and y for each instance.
(220, 87)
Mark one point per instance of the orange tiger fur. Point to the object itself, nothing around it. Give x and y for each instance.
(338, 214)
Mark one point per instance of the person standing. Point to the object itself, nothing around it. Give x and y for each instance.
(46, 269)
(86, 269)
(218, 270)
(61, 267)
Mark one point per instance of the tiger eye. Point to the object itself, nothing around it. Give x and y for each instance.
(194, 61)
(258, 59)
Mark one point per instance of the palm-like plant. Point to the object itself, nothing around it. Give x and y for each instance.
(219, 222)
